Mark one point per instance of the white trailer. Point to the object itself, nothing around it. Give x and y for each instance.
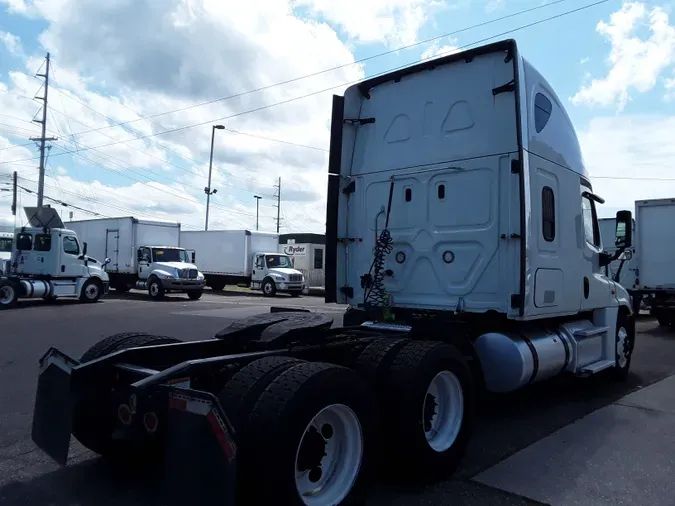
(243, 257)
(50, 261)
(145, 254)
(655, 241)
(461, 230)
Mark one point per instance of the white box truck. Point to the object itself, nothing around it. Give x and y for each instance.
(49, 261)
(144, 254)
(462, 231)
(655, 243)
(237, 257)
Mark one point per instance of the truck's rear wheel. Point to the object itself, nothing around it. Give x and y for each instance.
(9, 293)
(312, 435)
(195, 294)
(93, 416)
(91, 291)
(427, 400)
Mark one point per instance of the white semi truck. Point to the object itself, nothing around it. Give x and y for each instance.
(49, 261)
(655, 266)
(236, 257)
(461, 230)
(6, 239)
(145, 254)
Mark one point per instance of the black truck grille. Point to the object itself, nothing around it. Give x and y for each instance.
(187, 273)
(295, 278)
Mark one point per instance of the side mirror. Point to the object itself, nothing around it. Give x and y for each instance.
(194, 255)
(84, 249)
(626, 255)
(106, 262)
(623, 236)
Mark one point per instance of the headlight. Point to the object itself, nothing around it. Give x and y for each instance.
(166, 275)
(277, 276)
(200, 275)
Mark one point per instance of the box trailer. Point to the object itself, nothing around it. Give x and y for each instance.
(655, 242)
(462, 233)
(144, 254)
(243, 257)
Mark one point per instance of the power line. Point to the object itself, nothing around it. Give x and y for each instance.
(307, 95)
(338, 67)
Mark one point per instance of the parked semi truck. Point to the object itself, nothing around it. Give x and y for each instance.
(655, 274)
(243, 257)
(145, 254)
(468, 260)
(6, 239)
(49, 261)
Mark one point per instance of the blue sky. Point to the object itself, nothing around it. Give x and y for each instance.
(612, 64)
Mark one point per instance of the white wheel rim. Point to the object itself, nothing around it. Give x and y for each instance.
(154, 289)
(621, 352)
(268, 288)
(443, 411)
(6, 294)
(332, 476)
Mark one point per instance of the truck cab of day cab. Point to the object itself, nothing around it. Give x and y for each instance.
(163, 269)
(274, 272)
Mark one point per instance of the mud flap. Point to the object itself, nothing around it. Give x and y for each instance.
(200, 458)
(54, 401)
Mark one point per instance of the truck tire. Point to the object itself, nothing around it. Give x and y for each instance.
(426, 399)
(268, 287)
(155, 288)
(375, 360)
(625, 343)
(9, 293)
(303, 409)
(242, 391)
(195, 294)
(91, 291)
(92, 422)
(217, 286)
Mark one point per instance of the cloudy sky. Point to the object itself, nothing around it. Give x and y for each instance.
(136, 85)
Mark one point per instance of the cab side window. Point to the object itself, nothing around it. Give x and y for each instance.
(70, 245)
(259, 262)
(590, 221)
(24, 242)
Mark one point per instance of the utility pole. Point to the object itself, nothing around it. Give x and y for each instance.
(43, 138)
(278, 196)
(208, 189)
(15, 178)
(257, 209)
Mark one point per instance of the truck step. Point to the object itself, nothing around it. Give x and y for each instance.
(596, 367)
(590, 332)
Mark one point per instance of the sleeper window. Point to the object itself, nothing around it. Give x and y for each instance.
(548, 213)
(542, 111)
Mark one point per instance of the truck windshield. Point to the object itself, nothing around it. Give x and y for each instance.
(169, 255)
(5, 244)
(274, 261)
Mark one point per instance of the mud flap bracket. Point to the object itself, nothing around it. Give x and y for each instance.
(200, 463)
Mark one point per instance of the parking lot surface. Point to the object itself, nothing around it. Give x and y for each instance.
(506, 424)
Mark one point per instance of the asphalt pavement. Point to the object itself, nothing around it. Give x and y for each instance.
(507, 426)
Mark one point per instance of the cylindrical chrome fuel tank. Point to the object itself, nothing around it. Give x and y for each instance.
(34, 288)
(513, 360)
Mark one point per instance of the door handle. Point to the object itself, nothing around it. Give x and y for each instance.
(63, 268)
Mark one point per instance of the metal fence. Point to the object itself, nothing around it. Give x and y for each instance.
(314, 277)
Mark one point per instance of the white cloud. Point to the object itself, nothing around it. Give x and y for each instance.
(395, 21)
(438, 49)
(636, 148)
(635, 63)
(494, 5)
(158, 56)
(11, 42)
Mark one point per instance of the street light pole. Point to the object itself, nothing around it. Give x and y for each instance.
(257, 209)
(208, 190)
